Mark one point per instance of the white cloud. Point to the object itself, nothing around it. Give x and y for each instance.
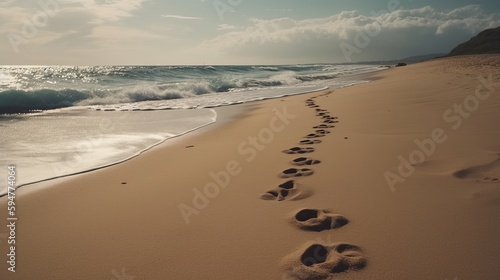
(68, 22)
(403, 24)
(104, 29)
(223, 27)
(12, 18)
(105, 10)
(95, 11)
(6, 3)
(180, 17)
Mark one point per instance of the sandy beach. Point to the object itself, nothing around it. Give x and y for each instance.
(398, 178)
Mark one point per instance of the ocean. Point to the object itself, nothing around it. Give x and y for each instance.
(62, 120)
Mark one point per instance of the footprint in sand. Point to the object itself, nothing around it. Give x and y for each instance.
(310, 142)
(323, 261)
(289, 190)
(314, 135)
(330, 121)
(324, 126)
(487, 173)
(318, 133)
(488, 180)
(322, 114)
(322, 132)
(321, 110)
(318, 220)
(298, 150)
(328, 117)
(304, 161)
(295, 172)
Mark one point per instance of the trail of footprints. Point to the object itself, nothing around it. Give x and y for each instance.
(313, 260)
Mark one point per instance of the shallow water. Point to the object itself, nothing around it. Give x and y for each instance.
(106, 115)
(65, 142)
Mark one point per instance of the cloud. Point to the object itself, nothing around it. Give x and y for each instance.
(180, 17)
(115, 8)
(223, 27)
(11, 18)
(95, 12)
(422, 24)
(107, 10)
(6, 3)
(68, 22)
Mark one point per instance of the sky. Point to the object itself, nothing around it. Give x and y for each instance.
(228, 32)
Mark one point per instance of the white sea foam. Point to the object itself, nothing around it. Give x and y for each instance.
(60, 143)
(101, 115)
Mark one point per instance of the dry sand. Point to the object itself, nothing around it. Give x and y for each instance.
(438, 217)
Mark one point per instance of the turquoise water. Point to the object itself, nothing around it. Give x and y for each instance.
(31, 88)
(61, 120)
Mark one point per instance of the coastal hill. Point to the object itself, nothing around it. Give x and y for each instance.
(486, 42)
(407, 60)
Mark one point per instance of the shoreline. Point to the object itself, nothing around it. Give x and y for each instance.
(218, 203)
(222, 109)
(68, 176)
(227, 115)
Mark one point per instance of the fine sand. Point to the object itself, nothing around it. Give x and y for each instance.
(393, 179)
